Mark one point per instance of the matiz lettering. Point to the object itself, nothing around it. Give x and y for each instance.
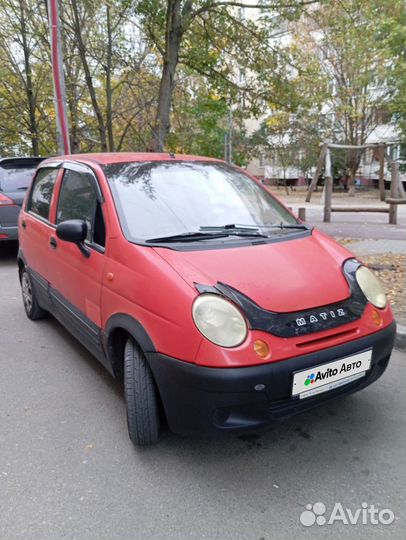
(319, 317)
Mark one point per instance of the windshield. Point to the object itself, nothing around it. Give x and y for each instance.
(158, 199)
(15, 178)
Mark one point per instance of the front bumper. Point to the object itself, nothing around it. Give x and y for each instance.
(200, 400)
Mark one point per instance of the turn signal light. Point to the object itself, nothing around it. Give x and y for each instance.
(262, 349)
(376, 317)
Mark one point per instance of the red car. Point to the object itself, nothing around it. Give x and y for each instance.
(190, 282)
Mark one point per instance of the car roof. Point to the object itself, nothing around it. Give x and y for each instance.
(107, 158)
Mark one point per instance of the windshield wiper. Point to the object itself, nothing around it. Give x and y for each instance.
(187, 237)
(229, 226)
(233, 229)
(207, 233)
(289, 226)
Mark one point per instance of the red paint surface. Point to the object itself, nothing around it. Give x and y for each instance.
(156, 285)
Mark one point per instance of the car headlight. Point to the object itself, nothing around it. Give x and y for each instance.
(219, 320)
(371, 287)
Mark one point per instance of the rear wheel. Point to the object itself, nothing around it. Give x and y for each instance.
(141, 397)
(32, 308)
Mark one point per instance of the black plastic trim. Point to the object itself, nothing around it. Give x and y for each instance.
(41, 289)
(133, 327)
(79, 325)
(207, 400)
(317, 319)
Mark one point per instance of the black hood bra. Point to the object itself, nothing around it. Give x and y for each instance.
(297, 323)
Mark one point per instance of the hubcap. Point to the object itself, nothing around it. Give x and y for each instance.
(27, 292)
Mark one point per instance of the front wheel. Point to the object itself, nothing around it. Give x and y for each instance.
(141, 397)
(32, 308)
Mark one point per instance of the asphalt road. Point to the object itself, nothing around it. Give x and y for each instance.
(69, 471)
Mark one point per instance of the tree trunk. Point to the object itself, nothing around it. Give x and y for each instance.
(355, 160)
(72, 102)
(28, 84)
(173, 37)
(351, 184)
(88, 77)
(109, 92)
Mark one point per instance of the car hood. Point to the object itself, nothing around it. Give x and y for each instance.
(285, 276)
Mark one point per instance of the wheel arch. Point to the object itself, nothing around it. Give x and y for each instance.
(118, 328)
(21, 262)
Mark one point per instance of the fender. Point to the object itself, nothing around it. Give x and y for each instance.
(122, 321)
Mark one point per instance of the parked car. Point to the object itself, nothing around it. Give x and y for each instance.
(189, 281)
(15, 177)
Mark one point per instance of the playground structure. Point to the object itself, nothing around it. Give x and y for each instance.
(397, 192)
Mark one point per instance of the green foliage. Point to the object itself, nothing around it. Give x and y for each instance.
(346, 70)
(353, 45)
(199, 124)
(27, 120)
(345, 57)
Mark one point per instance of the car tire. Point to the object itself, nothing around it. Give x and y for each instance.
(141, 397)
(32, 308)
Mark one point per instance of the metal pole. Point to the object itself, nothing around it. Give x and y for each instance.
(382, 173)
(317, 172)
(228, 142)
(58, 77)
(328, 189)
(394, 192)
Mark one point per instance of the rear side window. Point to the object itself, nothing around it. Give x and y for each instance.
(41, 194)
(78, 199)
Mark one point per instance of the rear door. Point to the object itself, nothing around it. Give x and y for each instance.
(76, 280)
(36, 228)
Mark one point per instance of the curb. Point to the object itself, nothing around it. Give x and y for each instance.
(400, 339)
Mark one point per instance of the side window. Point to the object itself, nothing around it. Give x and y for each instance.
(41, 192)
(78, 200)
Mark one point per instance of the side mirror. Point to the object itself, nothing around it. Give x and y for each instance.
(75, 231)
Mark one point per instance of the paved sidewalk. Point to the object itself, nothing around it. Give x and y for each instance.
(376, 246)
(350, 224)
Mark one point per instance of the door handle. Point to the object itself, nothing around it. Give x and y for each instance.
(53, 243)
(23, 224)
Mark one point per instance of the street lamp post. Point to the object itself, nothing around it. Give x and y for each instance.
(58, 77)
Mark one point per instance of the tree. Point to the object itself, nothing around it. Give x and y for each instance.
(200, 121)
(173, 25)
(351, 41)
(392, 32)
(108, 75)
(289, 140)
(26, 86)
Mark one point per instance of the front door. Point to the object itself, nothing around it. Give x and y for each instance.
(76, 280)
